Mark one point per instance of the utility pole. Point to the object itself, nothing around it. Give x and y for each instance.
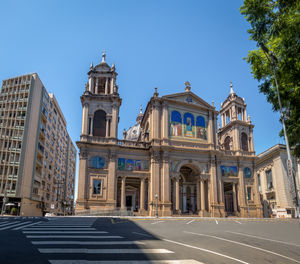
(291, 173)
(156, 206)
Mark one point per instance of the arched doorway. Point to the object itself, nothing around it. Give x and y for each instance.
(188, 195)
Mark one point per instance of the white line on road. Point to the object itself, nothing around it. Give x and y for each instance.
(142, 234)
(87, 243)
(13, 225)
(246, 245)
(26, 225)
(154, 223)
(59, 229)
(105, 251)
(55, 226)
(237, 222)
(3, 223)
(263, 238)
(190, 221)
(216, 221)
(65, 232)
(92, 237)
(206, 250)
(179, 261)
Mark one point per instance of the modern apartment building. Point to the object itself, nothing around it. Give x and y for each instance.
(37, 156)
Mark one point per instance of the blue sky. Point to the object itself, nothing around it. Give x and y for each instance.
(153, 44)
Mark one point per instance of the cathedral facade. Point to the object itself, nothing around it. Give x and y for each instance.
(175, 160)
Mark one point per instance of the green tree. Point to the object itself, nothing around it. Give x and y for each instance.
(276, 26)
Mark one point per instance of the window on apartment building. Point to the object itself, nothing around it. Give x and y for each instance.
(96, 186)
(269, 179)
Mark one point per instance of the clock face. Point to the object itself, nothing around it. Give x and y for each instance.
(98, 162)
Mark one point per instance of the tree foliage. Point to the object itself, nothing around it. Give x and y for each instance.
(276, 25)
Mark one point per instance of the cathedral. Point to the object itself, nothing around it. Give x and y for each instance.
(176, 159)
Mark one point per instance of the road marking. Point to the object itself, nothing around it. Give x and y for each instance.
(87, 243)
(105, 251)
(142, 234)
(64, 232)
(10, 223)
(14, 225)
(190, 222)
(179, 261)
(206, 250)
(3, 223)
(59, 226)
(246, 245)
(154, 223)
(93, 237)
(237, 222)
(216, 221)
(263, 238)
(59, 229)
(21, 227)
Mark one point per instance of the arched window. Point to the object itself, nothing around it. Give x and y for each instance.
(176, 117)
(227, 143)
(200, 121)
(244, 142)
(99, 123)
(176, 127)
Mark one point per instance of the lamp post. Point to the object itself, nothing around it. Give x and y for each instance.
(273, 60)
(3, 202)
(156, 206)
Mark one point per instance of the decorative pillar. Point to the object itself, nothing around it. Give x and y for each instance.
(177, 195)
(154, 181)
(112, 85)
(107, 126)
(210, 132)
(165, 185)
(234, 197)
(202, 196)
(123, 195)
(92, 125)
(83, 184)
(114, 120)
(198, 198)
(184, 199)
(193, 198)
(208, 195)
(155, 121)
(106, 85)
(91, 84)
(142, 195)
(111, 181)
(96, 88)
(85, 119)
(165, 122)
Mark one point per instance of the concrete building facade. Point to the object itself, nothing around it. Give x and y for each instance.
(175, 160)
(274, 185)
(37, 169)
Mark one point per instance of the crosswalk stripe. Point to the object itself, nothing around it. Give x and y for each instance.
(87, 242)
(59, 229)
(12, 225)
(105, 251)
(54, 226)
(26, 225)
(92, 237)
(3, 222)
(77, 261)
(63, 232)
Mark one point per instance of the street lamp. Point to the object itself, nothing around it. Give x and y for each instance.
(156, 206)
(273, 60)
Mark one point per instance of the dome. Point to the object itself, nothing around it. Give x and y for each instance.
(133, 132)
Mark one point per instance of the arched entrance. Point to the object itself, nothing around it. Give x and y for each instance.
(188, 190)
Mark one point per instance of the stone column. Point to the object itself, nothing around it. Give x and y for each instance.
(165, 185)
(184, 199)
(112, 84)
(208, 195)
(91, 84)
(193, 198)
(92, 124)
(234, 197)
(165, 122)
(154, 181)
(210, 132)
(123, 195)
(106, 85)
(142, 195)
(107, 126)
(202, 196)
(85, 119)
(155, 121)
(83, 182)
(198, 198)
(111, 182)
(114, 120)
(177, 195)
(96, 87)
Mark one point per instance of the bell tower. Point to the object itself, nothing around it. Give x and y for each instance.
(236, 130)
(100, 102)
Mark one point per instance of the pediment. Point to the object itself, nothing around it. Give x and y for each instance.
(188, 98)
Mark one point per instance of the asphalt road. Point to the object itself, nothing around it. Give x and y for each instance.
(91, 240)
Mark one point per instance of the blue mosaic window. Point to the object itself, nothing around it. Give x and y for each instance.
(176, 117)
(187, 117)
(200, 121)
(247, 173)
